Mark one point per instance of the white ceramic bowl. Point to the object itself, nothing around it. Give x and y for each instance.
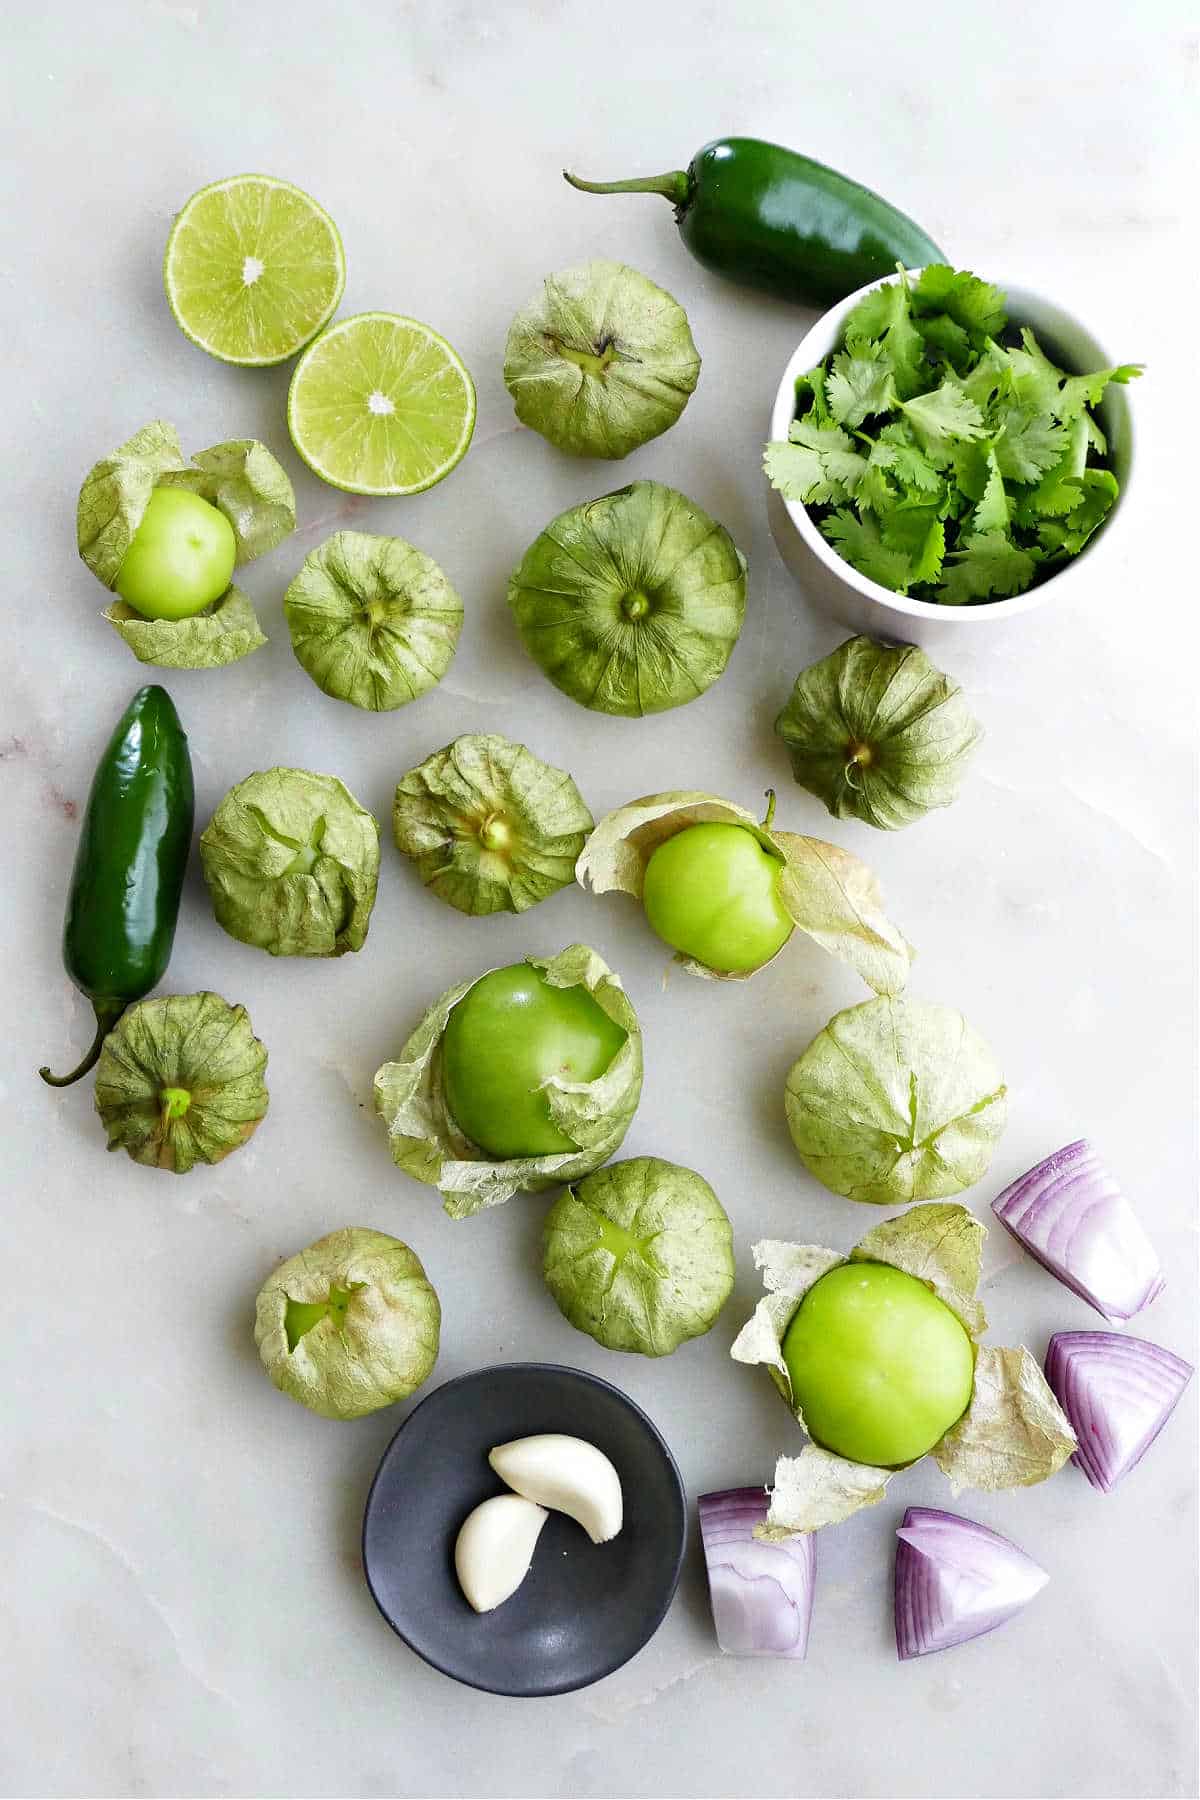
(838, 588)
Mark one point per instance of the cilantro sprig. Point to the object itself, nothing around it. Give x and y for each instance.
(943, 453)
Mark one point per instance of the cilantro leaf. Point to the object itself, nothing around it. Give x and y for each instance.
(896, 449)
(1098, 492)
(991, 514)
(918, 532)
(884, 317)
(1079, 391)
(945, 340)
(1028, 443)
(941, 417)
(860, 543)
(860, 383)
(811, 387)
(1058, 490)
(818, 465)
(974, 304)
(987, 563)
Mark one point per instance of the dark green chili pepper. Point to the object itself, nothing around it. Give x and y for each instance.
(128, 874)
(773, 219)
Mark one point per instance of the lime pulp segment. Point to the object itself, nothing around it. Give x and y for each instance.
(381, 404)
(253, 269)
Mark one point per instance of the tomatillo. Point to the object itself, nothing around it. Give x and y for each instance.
(880, 1367)
(503, 1041)
(180, 559)
(712, 891)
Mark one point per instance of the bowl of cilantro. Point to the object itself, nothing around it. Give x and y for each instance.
(942, 453)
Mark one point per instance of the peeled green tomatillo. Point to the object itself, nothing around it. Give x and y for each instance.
(880, 1367)
(712, 891)
(180, 559)
(504, 1039)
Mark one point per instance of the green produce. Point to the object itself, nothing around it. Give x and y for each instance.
(133, 848)
(878, 1358)
(181, 558)
(712, 893)
(373, 620)
(380, 404)
(349, 1324)
(639, 1255)
(631, 603)
(292, 864)
(879, 1366)
(557, 1074)
(878, 733)
(490, 826)
(775, 220)
(601, 360)
(726, 890)
(941, 453)
(135, 532)
(180, 1081)
(509, 1034)
(896, 1100)
(253, 269)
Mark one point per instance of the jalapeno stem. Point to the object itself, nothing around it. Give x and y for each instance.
(673, 186)
(106, 1018)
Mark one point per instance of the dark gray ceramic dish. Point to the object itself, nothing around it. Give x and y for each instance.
(584, 1608)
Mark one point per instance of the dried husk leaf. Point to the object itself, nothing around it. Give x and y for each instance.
(940, 1244)
(1013, 1434)
(631, 603)
(600, 360)
(639, 1255)
(244, 481)
(196, 1043)
(836, 900)
(373, 620)
(384, 1347)
(427, 1144)
(896, 1100)
(483, 787)
(223, 633)
(878, 733)
(788, 1271)
(116, 492)
(241, 478)
(292, 864)
(816, 1489)
(830, 895)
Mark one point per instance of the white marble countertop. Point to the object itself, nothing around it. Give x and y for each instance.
(185, 1610)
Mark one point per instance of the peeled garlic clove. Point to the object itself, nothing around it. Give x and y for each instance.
(567, 1474)
(494, 1549)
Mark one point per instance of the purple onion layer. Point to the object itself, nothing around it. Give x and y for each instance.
(1118, 1393)
(1071, 1216)
(956, 1580)
(762, 1593)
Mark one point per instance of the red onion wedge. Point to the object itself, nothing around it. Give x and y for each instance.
(1071, 1216)
(1118, 1393)
(956, 1580)
(762, 1594)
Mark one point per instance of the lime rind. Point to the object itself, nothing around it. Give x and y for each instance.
(274, 228)
(381, 404)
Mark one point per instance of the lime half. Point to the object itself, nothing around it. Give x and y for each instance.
(380, 404)
(253, 269)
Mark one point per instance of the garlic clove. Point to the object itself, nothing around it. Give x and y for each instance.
(494, 1549)
(567, 1474)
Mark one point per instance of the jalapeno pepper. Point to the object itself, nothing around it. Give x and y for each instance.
(129, 866)
(775, 220)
